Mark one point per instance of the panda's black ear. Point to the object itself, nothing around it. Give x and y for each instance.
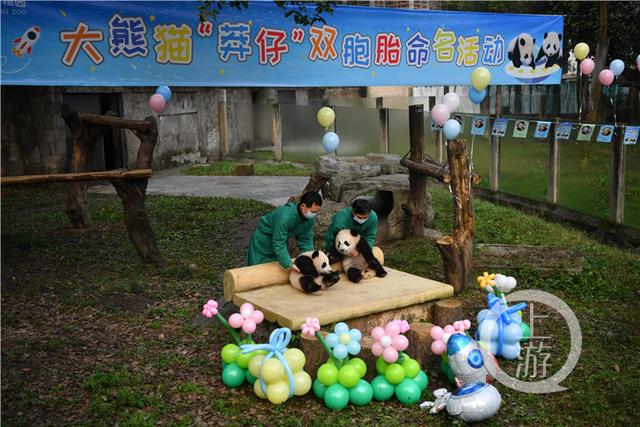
(534, 41)
(559, 37)
(354, 233)
(315, 254)
(522, 42)
(545, 35)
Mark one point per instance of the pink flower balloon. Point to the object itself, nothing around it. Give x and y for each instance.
(437, 347)
(248, 326)
(157, 103)
(467, 323)
(377, 349)
(246, 309)
(377, 333)
(257, 316)
(236, 320)
(606, 77)
(440, 114)
(400, 343)
(436, 332)
(390, 355)
(392, 329)
(210, 309)
(310, 327)
(586, 66)
(449, 329)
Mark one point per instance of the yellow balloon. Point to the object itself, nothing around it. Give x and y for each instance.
(272, 371)
(302, 383)
(326, 116)
(480, 78)
(257, 389)
(295, 358)
(581, 50)
(254, 365)
(278, 392)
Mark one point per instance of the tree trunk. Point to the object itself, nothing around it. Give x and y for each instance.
(447, 311)
(417, 181)
(457, 250)
(597, 101)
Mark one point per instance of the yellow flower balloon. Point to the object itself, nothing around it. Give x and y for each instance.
(581, 50)
(486, 280)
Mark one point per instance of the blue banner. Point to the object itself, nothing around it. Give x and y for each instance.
(139, 43)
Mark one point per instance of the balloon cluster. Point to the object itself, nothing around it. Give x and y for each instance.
(330, 141)
(440, 338)
(499, 327)
(606, 76)
(158, 101)
(441, 113)
(235, 365)
(480, 78)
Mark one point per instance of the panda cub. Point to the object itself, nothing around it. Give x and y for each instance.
(315, 272)
(520, 50)
(362, 266)
(551, 49)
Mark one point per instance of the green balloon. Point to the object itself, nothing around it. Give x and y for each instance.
(411, 368)
(526, 331)
(243, 360)
(361, 394)
(224, 365)
(233, 376)
(336, 397)
(229, 353)
(381, 365)
(408, 391)
(348, 376)
(446, 369)
(328, 374)
(422, 379)
(319, 389)
(382, 389)
(250, 378)
(394, 373)
(359, 365)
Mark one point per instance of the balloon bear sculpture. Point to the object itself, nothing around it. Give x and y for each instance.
(499, 327)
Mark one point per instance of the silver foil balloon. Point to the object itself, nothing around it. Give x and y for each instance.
(474, 402)
(466, 360)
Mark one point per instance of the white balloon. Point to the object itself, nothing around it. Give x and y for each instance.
(452, 101)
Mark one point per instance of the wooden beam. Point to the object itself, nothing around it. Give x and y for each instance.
(494, 160)
(434, 170)
(96, 119)
(616, 209)
(76, 176)
(417, 181)
(276, 130)
(553, 168)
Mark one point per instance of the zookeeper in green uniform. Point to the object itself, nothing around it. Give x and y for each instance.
(269, 241)
(359, 217)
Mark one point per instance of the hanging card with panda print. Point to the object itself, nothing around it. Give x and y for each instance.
(631, 135)
(479, 124)
(606, 133)
(542, 130)
(520, 129)
(563, 131)
(499, 127)
(585, 132)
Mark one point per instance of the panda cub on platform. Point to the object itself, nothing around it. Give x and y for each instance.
(315, 272)
(362, 266)
(520, 50)
(551, 49)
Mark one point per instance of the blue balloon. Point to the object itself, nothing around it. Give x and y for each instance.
(451, 129)
(340, 351)
(165, 92)
(353, 347)
(332, 340)
(355, 334)
(330, 142)
(617, 66)
(638, 60)
(477, 96)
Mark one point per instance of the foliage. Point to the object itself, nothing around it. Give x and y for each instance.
(301, 11)
(226, 167)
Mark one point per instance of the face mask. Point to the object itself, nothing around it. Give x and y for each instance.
(360, 220)
(310, 215)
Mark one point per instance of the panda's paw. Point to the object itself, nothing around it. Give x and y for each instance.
(308, 284)
(369, 275)
(354, 275)
(331, 279)
(381, 272)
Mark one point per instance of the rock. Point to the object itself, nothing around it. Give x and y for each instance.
(432, 234)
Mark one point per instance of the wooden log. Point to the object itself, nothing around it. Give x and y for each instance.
(317, 180)
(74, 177)
(618, 151)
(313, 352)
(417, 181)
(243, 169)
(553, 168)
(276, 130)
(447, 311)
(96, 119)
(494, 161)
(420, 340)
(435, 170)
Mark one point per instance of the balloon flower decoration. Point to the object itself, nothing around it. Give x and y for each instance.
(158, 101)
(397, 373)
(234, 362)
(278, 371)
(340, 380)
(330, 141)
(500, 327)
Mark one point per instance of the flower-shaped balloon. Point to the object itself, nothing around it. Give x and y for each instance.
(310, 327)
(389, 341)
(441, 335)
(210, 309)
(487, 280)
(344, 341)
(505, 284)
(403, 324)
(247, 319)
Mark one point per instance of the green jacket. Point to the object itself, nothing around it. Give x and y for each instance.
(344, 219)
(269, 242)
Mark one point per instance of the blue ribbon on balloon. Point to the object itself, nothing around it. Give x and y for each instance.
(278, 341)
(503, 315)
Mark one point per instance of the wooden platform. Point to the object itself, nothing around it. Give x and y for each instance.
(290, 308)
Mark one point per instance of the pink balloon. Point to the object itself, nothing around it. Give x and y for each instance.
(157, 103)
(377, 349)
(440, 114)
(400, 343)
(467, 323)
(377, 333)
(449, 329)
(392, 329)
(257, 316)
(437, 347)
(586, 66)
(390, 355)
(236, 320)
(246, 306)
(249, 326)
(457, 325)
(606, 77)
(638, 66)
(436, 332)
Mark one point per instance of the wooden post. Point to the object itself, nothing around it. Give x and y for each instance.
(494, 160)
(223, 123)
(438, 141)
(447, 311)
(384, 130)
(457, 250)
(417, 181)
(276, 126)
(616, 209)
(553, 167)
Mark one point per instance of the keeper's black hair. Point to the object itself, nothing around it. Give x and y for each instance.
(311, 197)
(361, 207)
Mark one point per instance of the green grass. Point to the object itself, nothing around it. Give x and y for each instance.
(69, 358)
(226, 167)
